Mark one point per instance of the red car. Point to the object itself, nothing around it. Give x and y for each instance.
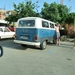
(12, 29)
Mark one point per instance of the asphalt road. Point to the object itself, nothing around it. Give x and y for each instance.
(55, 60)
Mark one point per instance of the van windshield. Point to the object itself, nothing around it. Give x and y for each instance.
(26, 23)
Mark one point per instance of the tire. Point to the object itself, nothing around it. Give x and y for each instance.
(43, 45)
(23, 45)
(1, 51)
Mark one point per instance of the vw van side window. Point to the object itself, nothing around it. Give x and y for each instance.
(26, 23)
(51, 25)
(1, 30)
(45, 24)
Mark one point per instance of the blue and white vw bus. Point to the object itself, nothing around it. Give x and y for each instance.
(34, 31)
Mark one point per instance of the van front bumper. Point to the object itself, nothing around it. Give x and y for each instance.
(27, 43)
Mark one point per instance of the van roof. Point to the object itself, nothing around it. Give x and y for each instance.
(33, 18)
(29, 18)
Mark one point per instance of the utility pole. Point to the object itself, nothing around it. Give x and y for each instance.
(61, 2)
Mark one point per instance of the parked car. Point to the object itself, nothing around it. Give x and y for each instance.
(12, 28)
(5, 32)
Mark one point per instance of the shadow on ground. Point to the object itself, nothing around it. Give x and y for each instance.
(10, 44)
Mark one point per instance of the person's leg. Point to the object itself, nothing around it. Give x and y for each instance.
(59, 41)
(74, 44)
(58, 38)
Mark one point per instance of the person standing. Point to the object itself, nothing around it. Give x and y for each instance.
(57, 34)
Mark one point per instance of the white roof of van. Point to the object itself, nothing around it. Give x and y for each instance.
(33, 18)
(3, 21)
(29, 18)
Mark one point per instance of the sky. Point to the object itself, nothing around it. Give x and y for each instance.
(8, 4)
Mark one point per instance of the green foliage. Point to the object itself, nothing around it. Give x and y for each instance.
(55, 12)
(70, 18)
(24, 9)
(63, 11)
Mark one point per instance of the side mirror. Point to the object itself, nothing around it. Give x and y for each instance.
(1, 51)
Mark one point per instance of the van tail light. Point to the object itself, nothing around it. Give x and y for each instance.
(14, 36)
(36, 37)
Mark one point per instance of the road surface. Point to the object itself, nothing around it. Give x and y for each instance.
(55, 60)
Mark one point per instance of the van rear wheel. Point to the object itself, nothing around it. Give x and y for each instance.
(43, 45)
(23, 45)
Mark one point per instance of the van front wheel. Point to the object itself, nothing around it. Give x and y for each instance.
(23, 45)
(43, 45)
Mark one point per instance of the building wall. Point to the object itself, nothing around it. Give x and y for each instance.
(2, 14)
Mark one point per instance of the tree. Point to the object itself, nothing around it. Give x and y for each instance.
(54, 12)
(70, 18)
(63, 12)
(24, 9)
(70, 23)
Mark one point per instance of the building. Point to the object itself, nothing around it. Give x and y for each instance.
(2, 17)
(2, 14)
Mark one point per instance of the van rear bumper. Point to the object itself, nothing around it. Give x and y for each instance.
(27, 43)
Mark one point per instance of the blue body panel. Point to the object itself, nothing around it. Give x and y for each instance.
(28, 34)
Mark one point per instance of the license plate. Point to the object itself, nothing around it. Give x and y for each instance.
(24, 37)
